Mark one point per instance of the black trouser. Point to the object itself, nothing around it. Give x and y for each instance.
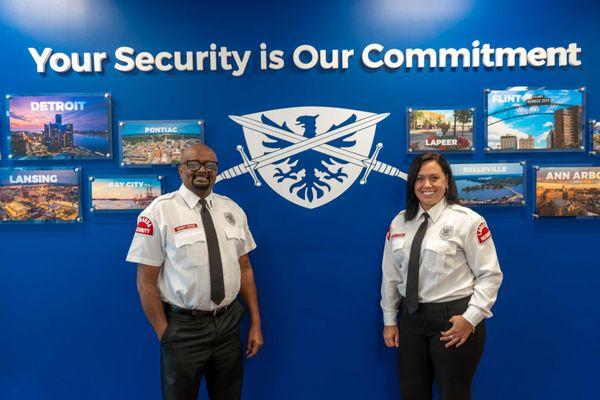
(194, 346)
(423, 357)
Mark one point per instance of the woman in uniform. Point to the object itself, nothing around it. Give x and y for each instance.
(440, 279)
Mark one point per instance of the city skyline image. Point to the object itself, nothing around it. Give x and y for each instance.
(534, 119)
(50, 195)
(124, 193)
(568, 191)
(157, 142)
(59, 126)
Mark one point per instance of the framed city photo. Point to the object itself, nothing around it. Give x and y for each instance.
(59, 126)
(151, 143)
(441, 130)
(572, 191)
(490, 184)
(40, 195)
(525, 120)
(595, 139)
(123, 193)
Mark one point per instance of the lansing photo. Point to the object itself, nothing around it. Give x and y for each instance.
(39, 195)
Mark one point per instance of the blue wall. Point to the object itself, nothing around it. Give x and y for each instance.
(72, 326)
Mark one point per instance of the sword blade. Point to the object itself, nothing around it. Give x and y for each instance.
(324, 148)
(306, 144)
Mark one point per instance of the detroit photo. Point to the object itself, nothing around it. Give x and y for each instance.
(69, 126)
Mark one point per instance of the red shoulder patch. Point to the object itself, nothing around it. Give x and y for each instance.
(387, 235)
(483, 232)
(144, 226)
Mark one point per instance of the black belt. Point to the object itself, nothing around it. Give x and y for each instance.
(194, 313)
(447, 308)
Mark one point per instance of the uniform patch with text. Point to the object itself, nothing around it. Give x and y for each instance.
(184, 227)
(144, 226)
(483, 232)
(398, 235)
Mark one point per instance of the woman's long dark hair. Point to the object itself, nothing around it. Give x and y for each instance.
(412, 202)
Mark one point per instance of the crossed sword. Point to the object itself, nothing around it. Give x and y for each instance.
(301, 144)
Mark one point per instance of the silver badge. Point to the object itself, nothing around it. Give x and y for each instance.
(230, 218)
(446, 232)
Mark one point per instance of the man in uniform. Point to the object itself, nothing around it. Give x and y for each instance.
(191, 247)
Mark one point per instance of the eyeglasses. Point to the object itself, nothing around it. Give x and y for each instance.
(195, 165)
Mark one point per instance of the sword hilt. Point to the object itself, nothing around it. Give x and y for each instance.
(371, 163)
(249, 166)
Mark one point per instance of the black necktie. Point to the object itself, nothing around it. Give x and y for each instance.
(217, 286)
(412, 281)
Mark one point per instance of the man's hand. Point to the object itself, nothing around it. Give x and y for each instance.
(160, 331)
(255, 340)
(458, 334)
(147, 278)
(391, 336)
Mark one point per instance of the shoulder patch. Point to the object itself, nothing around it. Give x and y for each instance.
(483, 232)
(387, 235)
(144, 226)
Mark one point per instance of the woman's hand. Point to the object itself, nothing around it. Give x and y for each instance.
(391, 336)
(458, 334)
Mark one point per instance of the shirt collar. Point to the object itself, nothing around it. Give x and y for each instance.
(435, 211)
(191, 198)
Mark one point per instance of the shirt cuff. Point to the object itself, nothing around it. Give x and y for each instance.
(474, 315)
(389, 318)
(143, 260)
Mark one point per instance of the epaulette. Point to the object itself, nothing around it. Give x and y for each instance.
(464, 210)
(160, 199)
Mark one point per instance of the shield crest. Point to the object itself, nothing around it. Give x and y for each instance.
(309, 179)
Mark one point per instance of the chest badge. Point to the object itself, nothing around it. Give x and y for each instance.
(230, 218)
(446, 232)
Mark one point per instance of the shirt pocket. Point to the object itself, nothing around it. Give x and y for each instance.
(236, 237)
(399, 248)
(438, 255)
(190, 249)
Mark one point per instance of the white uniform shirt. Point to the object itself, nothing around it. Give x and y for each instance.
(458, 259)
(170, 235)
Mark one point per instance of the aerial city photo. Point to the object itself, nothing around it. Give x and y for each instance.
(440, 130)
(39, 195)
(568, 191)
(498, 184)
(157, 142)
(535, 119)
(596, 136)
(59, 127)
(124, 193)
